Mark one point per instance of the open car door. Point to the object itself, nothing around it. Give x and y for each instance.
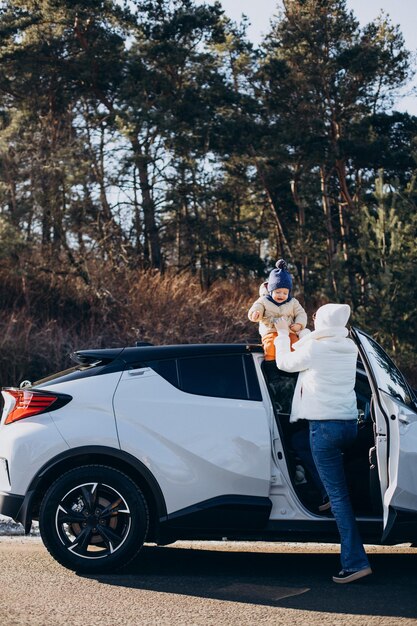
(395, 417)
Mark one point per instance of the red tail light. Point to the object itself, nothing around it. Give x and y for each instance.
(26, 403)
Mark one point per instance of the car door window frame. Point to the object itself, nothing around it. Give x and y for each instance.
(243, 361)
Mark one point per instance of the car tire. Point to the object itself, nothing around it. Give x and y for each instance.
(93, 519)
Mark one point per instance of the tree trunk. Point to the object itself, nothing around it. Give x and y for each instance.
(148, 205)
(303, 262)
(137, 222)
(285, 247)
(331, 247)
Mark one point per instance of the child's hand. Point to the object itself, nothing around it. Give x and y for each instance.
(255, 316)
(295, 328)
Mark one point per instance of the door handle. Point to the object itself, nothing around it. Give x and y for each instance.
(139, 372)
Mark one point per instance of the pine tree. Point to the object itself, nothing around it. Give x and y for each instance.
(321, 76)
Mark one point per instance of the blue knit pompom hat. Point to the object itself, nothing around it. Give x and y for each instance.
(280, 278)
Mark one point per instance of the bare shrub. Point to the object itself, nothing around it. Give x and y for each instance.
(46, 316)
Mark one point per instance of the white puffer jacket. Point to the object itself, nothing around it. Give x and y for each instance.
(326, 360)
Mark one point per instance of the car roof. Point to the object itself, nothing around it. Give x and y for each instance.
(154, 353)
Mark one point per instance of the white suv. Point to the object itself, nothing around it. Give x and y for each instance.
(158, 443)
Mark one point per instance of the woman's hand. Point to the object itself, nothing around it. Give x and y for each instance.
(281, 325)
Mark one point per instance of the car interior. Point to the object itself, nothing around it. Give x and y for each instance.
(360, 460)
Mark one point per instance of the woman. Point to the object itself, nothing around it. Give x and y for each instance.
(325, 396)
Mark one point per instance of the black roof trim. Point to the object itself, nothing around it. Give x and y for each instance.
(154, 353)
(88, 357)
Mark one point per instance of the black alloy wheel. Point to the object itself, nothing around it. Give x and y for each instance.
(93, 519)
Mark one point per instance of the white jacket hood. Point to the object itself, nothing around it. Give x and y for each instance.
(331, 320)
(332, 316)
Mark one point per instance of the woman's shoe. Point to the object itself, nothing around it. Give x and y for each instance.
(349, 577)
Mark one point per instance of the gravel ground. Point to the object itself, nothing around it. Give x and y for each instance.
(210, 584)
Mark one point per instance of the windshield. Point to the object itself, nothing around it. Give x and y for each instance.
(388, 376)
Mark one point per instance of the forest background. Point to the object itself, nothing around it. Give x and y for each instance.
(154, 164)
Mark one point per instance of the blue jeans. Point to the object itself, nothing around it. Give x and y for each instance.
(328, 440)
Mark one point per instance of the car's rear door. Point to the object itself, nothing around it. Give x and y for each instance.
(395, 415)
(200, 426)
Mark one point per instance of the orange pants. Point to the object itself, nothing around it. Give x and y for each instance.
(269, 347)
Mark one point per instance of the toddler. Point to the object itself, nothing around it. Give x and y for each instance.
(275, 301)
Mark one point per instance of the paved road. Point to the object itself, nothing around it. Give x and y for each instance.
(214, 584)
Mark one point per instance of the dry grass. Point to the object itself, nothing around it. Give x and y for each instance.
(47, 315)
(45, 318)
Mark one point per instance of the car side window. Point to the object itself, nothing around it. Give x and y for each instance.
(254, 390)
(167, 368)
(363, 396)
(218, 376)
